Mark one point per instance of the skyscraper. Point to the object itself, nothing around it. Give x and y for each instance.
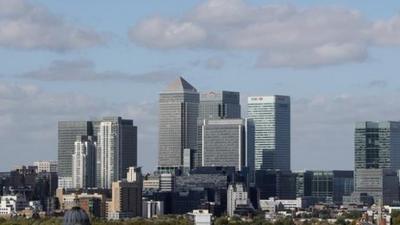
(377, 158)
(179, 105)
(377, 145)
(67, 133)
(271, 116)
(215, 105)
(84, 162)
(219, 105)
(117, 149)
(228, 142)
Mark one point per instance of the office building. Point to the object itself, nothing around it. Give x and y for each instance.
(46, 166)
(219, 105)
(303, 183)
(331, 185)
(380, 184)
(116, 149)
(237, 197)
(271, 116)
(377, 145)
(201, 217)
(11, 204)
(179, 107)
(84, 162)
(152, 209)
(280, 184)
(127, 196)
(377, 159)
(67, 133)
(167, 182)
(228, 142)
(215, 105)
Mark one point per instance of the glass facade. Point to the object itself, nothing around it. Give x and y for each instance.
(271, 116)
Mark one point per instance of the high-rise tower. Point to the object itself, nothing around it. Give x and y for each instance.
(271, 116)
(117, 149)
(179, 106)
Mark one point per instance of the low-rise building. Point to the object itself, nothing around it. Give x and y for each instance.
(201, 217)
(152, 208)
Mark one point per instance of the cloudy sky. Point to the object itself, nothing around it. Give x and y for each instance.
(80, 60)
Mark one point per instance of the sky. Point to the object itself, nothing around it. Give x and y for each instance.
(82, 60)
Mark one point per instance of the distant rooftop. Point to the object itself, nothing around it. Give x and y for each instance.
(180, 85)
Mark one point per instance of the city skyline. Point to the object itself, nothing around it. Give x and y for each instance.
(117, 69)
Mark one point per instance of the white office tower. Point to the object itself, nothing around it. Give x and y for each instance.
(117, 150)
(237, 196)
(271, 116)
(84, 162)
(46, 166)
(152, 209)
(108, 145)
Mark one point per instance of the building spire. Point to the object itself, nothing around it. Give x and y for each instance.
(180, 85)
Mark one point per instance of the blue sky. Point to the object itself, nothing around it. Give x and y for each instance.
(77, 60)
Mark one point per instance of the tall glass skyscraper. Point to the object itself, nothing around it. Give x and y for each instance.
(67, 133)
(377, 159)
(271, 116)
(179, 108)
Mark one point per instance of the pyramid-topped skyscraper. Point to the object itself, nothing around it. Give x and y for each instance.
(179, 105)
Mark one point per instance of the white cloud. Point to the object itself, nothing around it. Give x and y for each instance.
(85, 70)
(25, 25)
(283, 35)
(172, 34)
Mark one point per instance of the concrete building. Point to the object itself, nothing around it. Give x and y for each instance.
(46, 166)
(179, 107)
(67, 133)
(381, 184)
(151, 183)
(11, 204)
(117, 149)
(272, 204)
(152, 209)
(237, 196)
(228, 142)
(215, 105)
(84, 162)
(271, 116)
(201, 217)
(127, 196)
(167, 182)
